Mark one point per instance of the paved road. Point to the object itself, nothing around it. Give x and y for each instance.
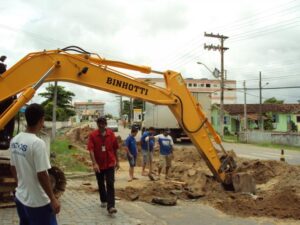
(256, 152)
(81, 207)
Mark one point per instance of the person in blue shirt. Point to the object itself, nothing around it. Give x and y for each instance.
(147, 144)
(131, 147)
(166, 143)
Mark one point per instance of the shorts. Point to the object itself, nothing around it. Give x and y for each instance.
(35, 215)
(165, 160)
(131, 160)
(147, 156)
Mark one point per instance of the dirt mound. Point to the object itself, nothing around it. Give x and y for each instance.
(262, 171)
(278, 187)
(278, 184)
(79, 135)
(84, 159)
(282, 204)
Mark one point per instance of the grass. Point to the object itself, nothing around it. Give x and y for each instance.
(230, 138)
(278, 146)
(64, 157)
(233, 139)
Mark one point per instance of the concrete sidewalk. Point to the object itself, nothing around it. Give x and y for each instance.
(80, 207)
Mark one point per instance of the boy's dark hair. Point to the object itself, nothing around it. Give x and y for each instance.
(152, 128)
(102, 119)
(33, 114)
(134, 130)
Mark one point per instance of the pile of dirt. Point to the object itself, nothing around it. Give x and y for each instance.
(79, 135)
(278, 184)
(278, 187)
(84, 159)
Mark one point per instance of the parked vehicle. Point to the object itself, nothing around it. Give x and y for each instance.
(160, 117)
(113, 125)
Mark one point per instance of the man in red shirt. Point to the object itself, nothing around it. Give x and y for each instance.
(103, 146)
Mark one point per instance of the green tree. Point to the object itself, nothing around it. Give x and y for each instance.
(294, 127)
(137, 104)
(108, 116)
(64, 108)
(126, 107)
(268, 124)
(273, 100)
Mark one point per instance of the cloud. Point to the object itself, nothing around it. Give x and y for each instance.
(164, 34)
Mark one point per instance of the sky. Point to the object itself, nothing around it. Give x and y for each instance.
(263, 36)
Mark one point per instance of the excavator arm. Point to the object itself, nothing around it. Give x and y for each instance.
(90, 70)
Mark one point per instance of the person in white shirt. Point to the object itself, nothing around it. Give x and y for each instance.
(166, 143)
(35, 201)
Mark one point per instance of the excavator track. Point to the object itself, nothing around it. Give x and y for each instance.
(7, 185)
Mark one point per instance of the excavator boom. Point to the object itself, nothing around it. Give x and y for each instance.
(92, 71)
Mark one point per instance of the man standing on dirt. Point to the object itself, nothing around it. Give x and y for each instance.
(130, 144)
(35, 201)
(166, 143)
(103, 146)
(147, 149)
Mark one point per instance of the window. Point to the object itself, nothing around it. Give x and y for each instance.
(190, 85)
(207, 85)
(275, 118)
(195, 85)
(215, 93)
(298, 119)
(202, 85)
(215, 85)
(226, 120)
(289, 118)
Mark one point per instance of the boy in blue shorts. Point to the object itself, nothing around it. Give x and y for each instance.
(147, 144)
(166, 144)
(131, 148)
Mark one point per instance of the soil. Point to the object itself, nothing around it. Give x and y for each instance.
(278, 185)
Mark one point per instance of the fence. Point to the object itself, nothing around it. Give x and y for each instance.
(292, 139)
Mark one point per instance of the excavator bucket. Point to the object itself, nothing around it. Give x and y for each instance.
(243, 182)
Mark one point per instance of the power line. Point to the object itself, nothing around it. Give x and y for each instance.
(265, 88)
(241, 23)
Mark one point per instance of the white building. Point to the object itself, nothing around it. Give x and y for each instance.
(89, 110)
(204, 85)
(214, 88)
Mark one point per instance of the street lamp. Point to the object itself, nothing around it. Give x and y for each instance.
(217, 74)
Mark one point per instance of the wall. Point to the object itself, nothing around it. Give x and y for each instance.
(292, 139)
(282, 123)
(59, 124)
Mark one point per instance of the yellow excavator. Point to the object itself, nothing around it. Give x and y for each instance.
(75, 65)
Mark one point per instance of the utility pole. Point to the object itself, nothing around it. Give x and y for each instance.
(120, 105)
(261, 121)
(54, 111)
(245, 108)
(222, 49)
(131, 111)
